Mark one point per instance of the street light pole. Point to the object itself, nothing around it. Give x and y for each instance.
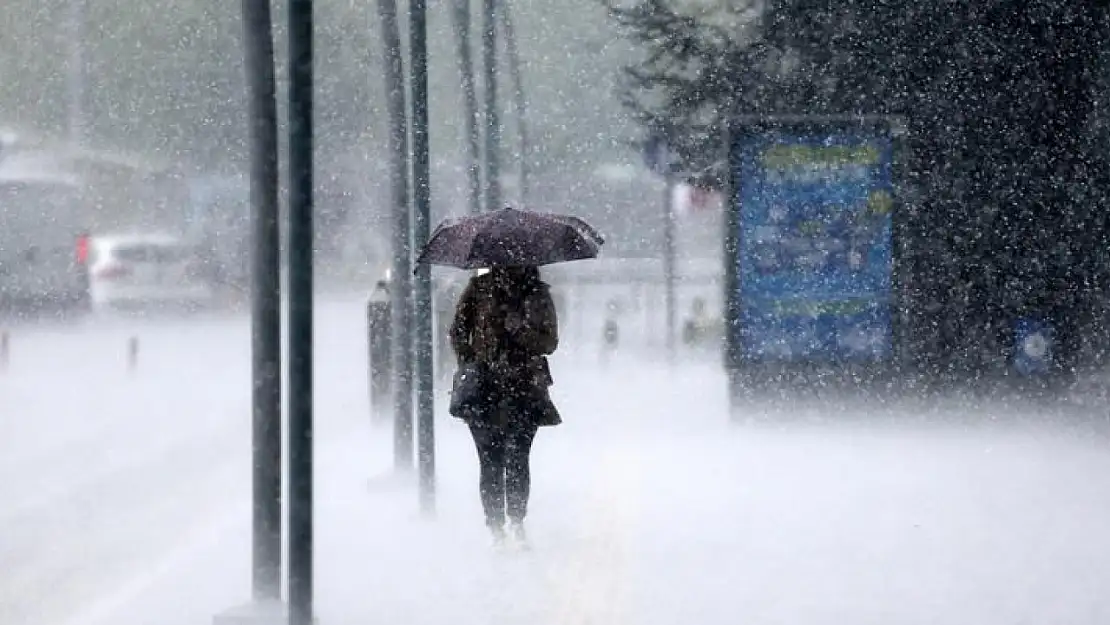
(520, 103)
(669, 265)
(493, 122)
(265, 301)
(659, 157)
(461, 22)
(75, 77)
(401, 294)
(422, 200)
(300, 573)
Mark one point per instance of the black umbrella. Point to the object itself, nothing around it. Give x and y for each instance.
(510, 237)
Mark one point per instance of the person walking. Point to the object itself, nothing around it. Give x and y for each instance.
(504, 328)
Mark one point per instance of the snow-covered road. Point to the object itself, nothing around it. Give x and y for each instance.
(126, 500)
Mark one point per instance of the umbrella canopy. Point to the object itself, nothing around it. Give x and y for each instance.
(511, 238)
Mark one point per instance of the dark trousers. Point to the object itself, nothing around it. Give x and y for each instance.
(506, 479)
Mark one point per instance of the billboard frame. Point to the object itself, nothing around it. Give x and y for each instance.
(735, 361)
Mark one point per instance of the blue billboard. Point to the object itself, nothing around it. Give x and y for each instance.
(813, 253)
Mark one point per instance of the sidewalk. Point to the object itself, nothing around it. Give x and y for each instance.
(650, 509)
(378, 561)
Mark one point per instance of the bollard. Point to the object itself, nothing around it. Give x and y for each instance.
(610, 331)
(4, 345)
(380, 353)
(610, 336)
(444, 355)
(132, 354)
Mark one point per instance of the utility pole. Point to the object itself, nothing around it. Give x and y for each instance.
(402, 296)
(265, 301)
(422, 203)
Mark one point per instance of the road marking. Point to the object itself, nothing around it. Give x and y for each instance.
(42, 497)
(109, 606)
(591, 583)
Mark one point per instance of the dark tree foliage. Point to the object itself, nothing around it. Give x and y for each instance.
(1006, 208)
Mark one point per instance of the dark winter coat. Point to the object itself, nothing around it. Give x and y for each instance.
(511, 329)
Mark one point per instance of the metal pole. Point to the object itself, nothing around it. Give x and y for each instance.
(493, 123)
(461, 15)
(519, 101)
(300, 312)
(76, 74)
(422, 201)
(265, 301)
(669, 264)
(402, 237)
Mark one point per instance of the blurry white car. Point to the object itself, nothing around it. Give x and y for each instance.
(144, 270)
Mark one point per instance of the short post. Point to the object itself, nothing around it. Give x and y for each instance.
(577, 307)
(132, 354)
(5, 345)
(380, 350)
(559, 297)
(610, 333)
(443, 304)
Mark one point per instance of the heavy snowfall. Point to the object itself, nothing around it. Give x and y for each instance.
(127, 493)
(718, 462)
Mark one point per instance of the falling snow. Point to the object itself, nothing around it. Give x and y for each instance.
(964, 484)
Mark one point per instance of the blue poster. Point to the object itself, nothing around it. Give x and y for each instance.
(814, 254)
